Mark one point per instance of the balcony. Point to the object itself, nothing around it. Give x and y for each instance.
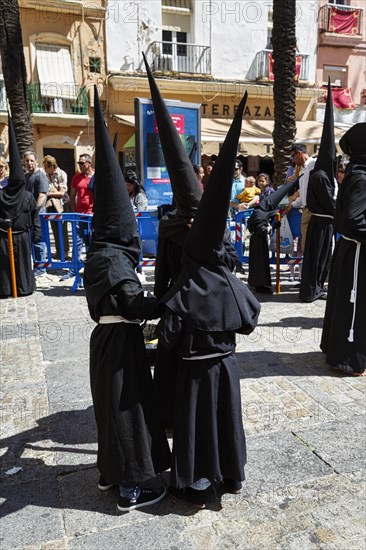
(260, 69)
(53, 105)
(178, 57)
(340, 25)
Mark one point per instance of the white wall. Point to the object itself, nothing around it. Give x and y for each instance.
(235, 30)
(130, 27)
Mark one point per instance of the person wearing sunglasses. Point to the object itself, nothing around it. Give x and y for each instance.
(82, 202)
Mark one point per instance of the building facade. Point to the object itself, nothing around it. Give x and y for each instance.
(64, 53)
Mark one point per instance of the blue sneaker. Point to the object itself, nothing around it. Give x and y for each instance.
(68, 275)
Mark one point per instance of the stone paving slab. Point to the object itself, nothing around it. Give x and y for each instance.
(68, 382)
(31, 514)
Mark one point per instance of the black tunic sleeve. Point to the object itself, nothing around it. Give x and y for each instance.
(169, 329)
(132, 303)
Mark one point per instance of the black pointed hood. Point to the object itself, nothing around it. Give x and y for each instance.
(186, 189)
(12, 196)
(206, 234)
(114, 220)
(327, 154)
(16, 174)
(208, 296)
(115, 248)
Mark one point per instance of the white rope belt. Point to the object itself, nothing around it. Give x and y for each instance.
(13, 232)
(109, 319)
(353, 296)
(323, 215)
(201, 357)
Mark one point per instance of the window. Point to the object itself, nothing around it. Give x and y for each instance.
(95, 64)
(338, 75)
(55, 72)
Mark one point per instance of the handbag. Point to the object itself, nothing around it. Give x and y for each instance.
(286, 238)
(53, 204)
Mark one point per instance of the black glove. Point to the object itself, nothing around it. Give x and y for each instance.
(5, 223)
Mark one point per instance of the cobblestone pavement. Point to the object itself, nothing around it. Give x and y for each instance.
(305, 429)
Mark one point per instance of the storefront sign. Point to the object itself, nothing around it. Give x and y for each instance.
(228, 111)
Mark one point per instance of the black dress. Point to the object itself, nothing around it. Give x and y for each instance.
(339, 344)
(318, 251)
(24, 216)
(132, 446)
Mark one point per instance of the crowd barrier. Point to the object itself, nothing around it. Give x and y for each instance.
(147, 222)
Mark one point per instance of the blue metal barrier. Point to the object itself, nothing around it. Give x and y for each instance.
(74, 263)
(241, 220)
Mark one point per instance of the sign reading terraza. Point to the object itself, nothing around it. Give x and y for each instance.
(228, 111)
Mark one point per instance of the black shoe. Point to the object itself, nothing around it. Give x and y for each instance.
(199, 499)
(231, 486)
(145, 498)
(263, 289)
(322, 296)
(103, 485)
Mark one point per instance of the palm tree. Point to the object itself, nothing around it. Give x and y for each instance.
(284, 90)
(15, 75)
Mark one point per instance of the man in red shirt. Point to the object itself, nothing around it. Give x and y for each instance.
(81, 201)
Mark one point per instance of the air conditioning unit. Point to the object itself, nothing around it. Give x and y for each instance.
(163, 63)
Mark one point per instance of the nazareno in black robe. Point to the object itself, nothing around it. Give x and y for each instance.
(22, 210)
(318, 251)
(349, 221)
(132, 446)
(204, 310)
(167, 270)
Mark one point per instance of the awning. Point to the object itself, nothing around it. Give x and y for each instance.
(127, 120)
(256, 135)
(55, 71)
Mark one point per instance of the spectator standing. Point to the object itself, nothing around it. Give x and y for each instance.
(37, 183)
(340, 173)
(301, 158)
(136, 191)
(199, 171)
(56, 194)
(208, 171)
(4, 173)
(82, 202)
(248, 197)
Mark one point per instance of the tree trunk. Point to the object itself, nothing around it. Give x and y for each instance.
(284, 90)
(14, 71)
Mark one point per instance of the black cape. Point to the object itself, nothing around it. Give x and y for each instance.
(132, 446)
(350, 221)
(318, 251)
(22, 210)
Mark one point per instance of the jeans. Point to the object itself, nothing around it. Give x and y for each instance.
(40, 253)
(82, 237)
(200, 484)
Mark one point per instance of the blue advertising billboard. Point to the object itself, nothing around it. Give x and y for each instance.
(149, 155)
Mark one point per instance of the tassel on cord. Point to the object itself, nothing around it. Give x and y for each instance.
(353, 296)
(350, 336)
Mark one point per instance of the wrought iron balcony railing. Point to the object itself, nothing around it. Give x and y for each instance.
(180, 57)
(260, 69)
(328, 20)
(3, 98)
(53, 104)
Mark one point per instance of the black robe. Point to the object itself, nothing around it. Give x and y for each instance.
(24, 216)
(205, 308)
(209, 437)
(167, 270)
(132, 446)
(318, 251)
(350, 221)
(259, 269)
